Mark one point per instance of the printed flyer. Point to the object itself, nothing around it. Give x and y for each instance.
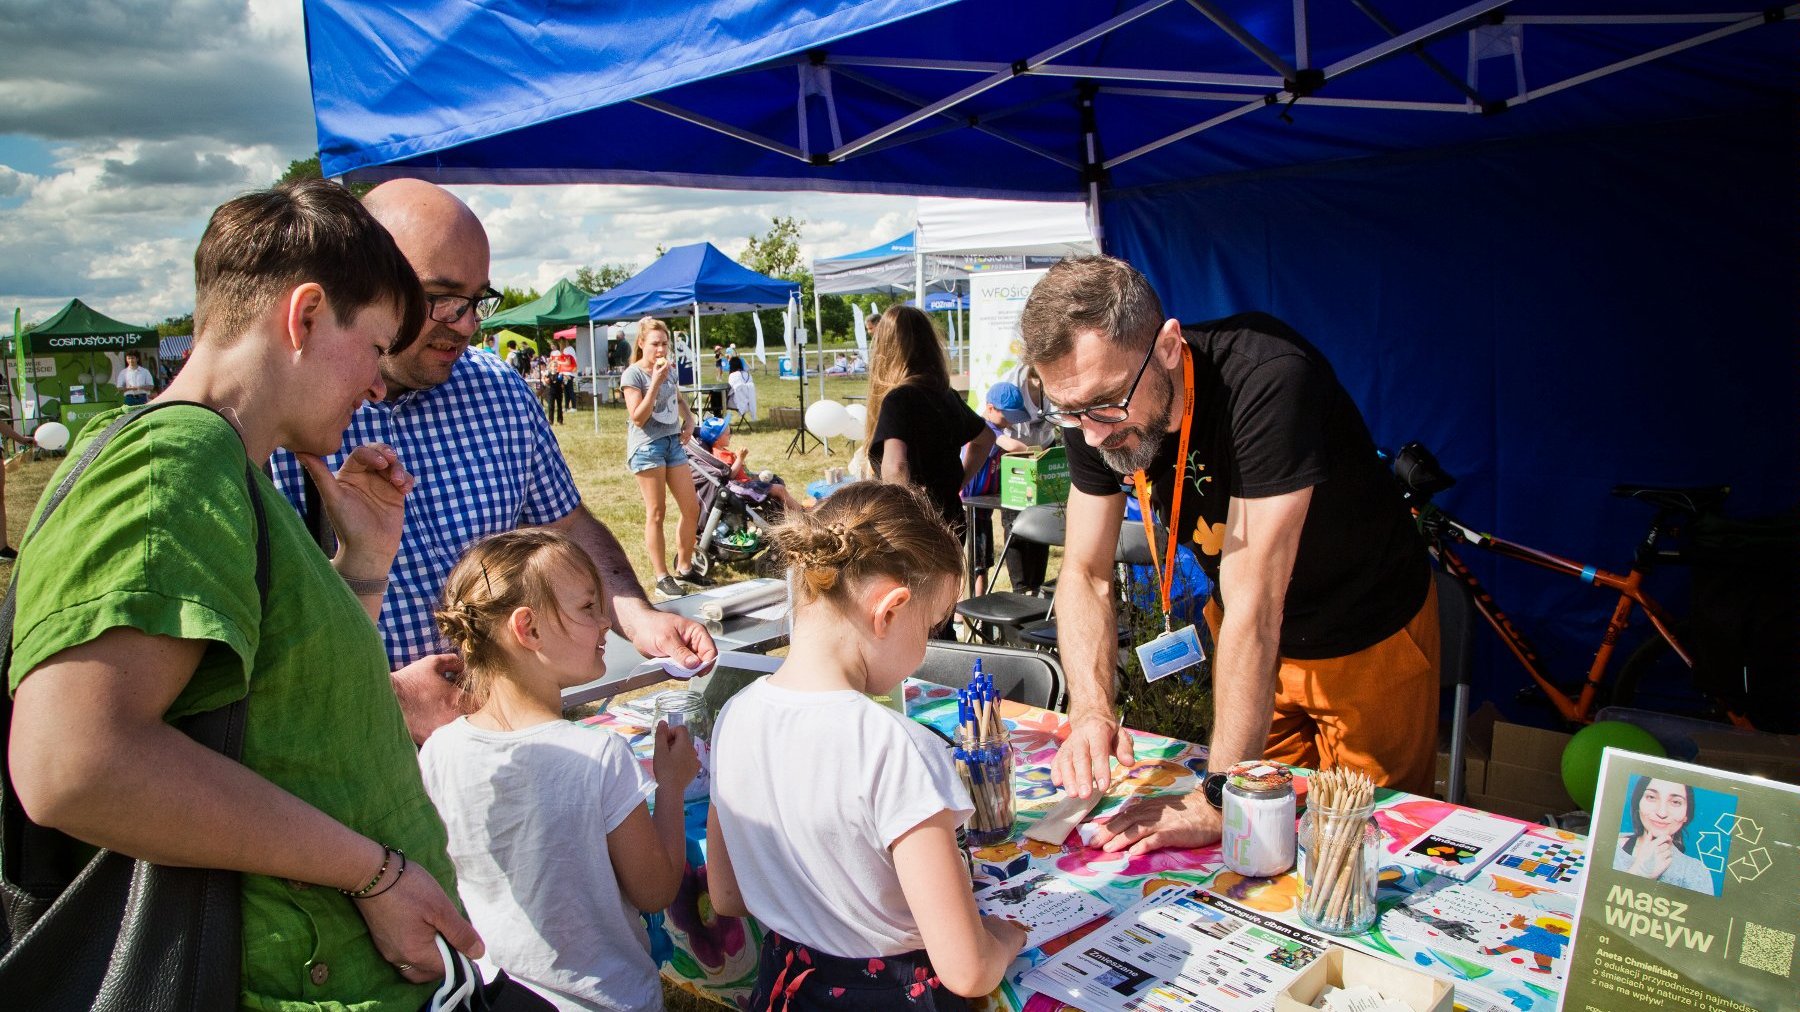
(1179, 950)
(1692, 892)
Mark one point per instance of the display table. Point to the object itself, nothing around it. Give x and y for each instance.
(715, 956)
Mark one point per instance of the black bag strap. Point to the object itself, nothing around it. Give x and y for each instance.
(42, 860)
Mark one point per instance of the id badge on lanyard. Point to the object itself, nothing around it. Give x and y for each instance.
(1176, 649)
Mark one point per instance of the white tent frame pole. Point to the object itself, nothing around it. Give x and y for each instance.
(1302, 44)
(955, 122)
(838, 62)
(995, 80)
(1406, 40)
(1399, 43)
(818, 332)
(1630, 19)
(1754, 21)
(594, 371)
(1244, 38)
(693, 349)
(720, 127)
(918, 279)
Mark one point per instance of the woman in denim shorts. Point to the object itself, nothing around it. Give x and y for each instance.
(660, 422)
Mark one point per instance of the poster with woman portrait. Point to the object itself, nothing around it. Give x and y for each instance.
(1692, 896)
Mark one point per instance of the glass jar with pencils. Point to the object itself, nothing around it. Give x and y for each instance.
(984, 760)
(1341, 864)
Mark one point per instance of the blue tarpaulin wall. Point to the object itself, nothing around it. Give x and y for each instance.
(1552, 316)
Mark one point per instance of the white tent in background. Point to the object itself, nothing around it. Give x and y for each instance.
(1006, 228)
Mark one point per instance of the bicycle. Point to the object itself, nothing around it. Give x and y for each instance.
(1676, 511)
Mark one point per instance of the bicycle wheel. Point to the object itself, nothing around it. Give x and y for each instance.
(1725, 680)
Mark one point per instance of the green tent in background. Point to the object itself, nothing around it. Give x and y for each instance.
(68, 358)
(564, 305)
(75, 327)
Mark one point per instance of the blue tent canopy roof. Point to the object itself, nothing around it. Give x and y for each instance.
(969, 99)
(689, 276)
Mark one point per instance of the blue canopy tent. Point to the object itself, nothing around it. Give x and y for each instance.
(697, 280)
(1559, 246)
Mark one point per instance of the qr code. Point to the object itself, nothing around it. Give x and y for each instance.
(1767, 949)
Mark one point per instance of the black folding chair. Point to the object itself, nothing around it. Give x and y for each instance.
(1023, 676)
(1000, 615)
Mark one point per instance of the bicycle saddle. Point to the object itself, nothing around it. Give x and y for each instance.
(1696, 499)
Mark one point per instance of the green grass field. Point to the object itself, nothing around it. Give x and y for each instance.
(597, 460)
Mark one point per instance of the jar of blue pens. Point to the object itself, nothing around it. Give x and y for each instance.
(984, 759)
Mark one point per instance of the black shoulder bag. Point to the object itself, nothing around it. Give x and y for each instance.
(116, 933)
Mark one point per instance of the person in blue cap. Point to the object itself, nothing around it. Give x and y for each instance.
(1019, 429)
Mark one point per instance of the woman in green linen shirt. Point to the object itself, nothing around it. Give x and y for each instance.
(138, 604)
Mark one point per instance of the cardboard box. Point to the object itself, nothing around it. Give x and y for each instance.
(1341, 967)
(1775, 756)
(1028, 479)
(1474, 775)
(1514, 770)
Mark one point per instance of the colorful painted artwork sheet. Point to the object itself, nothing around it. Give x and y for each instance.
(1484, 927)
(1553, 863)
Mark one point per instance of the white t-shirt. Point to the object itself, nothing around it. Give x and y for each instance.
(135, 376)
(811, 789)
(528, 812)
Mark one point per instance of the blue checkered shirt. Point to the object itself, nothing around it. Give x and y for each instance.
(486, 462)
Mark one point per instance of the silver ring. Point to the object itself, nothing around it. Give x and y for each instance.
(403, 967)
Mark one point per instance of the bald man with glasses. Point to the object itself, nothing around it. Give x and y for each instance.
(485, 460)
(1239, 436)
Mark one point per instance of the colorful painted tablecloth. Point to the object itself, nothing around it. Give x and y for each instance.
(715, 956)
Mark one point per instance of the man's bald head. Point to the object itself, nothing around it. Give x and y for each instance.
(448, 249)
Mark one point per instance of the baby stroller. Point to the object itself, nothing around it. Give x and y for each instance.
(736, 513)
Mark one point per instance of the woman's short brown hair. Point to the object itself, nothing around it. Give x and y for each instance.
(260, 246)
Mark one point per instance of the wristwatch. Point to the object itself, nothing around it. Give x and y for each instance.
(1214, 789)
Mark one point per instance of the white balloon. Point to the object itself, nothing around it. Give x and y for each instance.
(826, 418)
(52, 435)
(859, 418)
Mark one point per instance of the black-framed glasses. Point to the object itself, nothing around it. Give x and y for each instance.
(451, 308)
(1105, 414)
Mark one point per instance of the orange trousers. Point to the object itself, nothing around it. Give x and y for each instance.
(1375, 710)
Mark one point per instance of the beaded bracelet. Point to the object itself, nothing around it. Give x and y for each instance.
(391, 882)
(387, 855)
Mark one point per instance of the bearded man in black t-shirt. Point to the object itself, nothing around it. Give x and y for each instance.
(1324, 617)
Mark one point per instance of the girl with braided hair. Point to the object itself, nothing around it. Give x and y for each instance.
(555, 851)
(834, 818)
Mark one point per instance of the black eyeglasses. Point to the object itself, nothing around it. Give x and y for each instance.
(1105, 414)
(451, 308)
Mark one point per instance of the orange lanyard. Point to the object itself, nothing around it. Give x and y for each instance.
(1166, 576)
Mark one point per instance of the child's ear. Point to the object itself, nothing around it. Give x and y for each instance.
(523, 623)
(884, 611)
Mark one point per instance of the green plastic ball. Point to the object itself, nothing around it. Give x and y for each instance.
(1581, 757)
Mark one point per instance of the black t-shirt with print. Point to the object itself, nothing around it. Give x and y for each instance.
(1270, 417)
(934, 425)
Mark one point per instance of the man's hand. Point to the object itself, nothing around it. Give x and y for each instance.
(366, 502)
(1148, 824)
(659, 634)
(1081, 766)
(428, 698)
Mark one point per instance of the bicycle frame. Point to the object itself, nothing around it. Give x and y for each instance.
(1439, 528)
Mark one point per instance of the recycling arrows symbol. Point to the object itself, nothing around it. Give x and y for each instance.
(1751, 865)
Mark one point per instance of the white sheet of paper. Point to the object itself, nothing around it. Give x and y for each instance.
(1048, 907)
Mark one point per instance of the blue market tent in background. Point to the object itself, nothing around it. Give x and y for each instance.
(698, 280)
(1558, 247)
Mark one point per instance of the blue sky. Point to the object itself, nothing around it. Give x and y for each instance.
(123, 125)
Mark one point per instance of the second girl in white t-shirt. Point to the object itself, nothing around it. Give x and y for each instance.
(834, 818)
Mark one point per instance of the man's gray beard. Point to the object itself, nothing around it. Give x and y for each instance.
(1130, 461)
